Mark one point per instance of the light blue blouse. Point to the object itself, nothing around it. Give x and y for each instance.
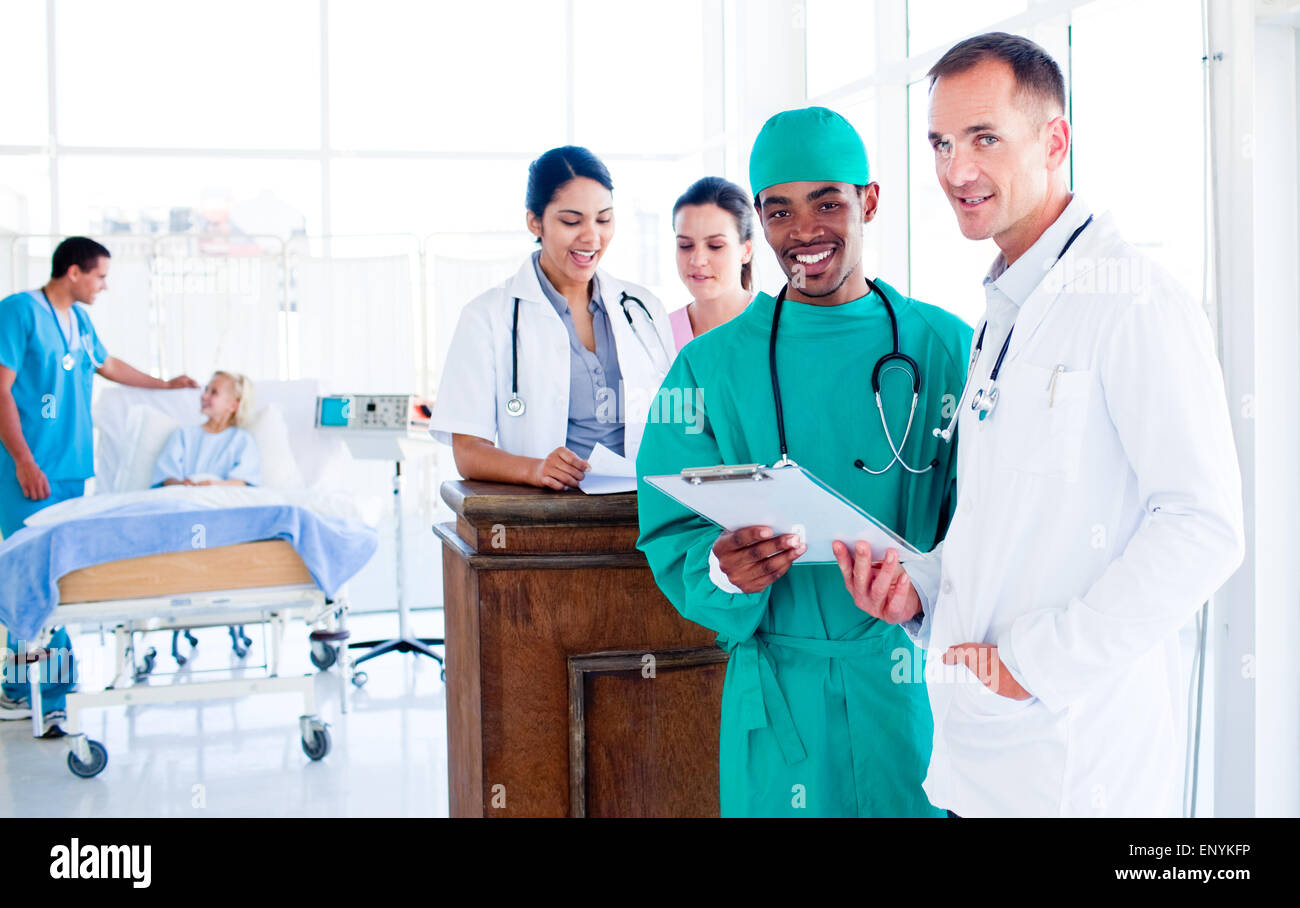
(595, 379)
(192, 452)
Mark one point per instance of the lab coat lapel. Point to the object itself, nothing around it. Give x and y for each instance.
(543, 367)
(1079, 260)
(525, 285)
(642, 376)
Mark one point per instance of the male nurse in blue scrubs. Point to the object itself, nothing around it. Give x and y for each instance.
(49, 354)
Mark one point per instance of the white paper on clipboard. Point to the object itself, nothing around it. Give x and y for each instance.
(789, 500)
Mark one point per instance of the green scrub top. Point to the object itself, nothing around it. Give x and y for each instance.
(53, 403)
(824, 712)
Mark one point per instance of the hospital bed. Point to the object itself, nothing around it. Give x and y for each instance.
(271, 555)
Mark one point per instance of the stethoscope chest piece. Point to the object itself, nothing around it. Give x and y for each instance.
(515, 406)
(984, 402)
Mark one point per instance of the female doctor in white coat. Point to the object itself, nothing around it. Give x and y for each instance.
(561, 357)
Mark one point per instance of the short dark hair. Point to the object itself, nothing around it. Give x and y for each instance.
(81, 251)
(731, 199)
(558, 166)
(1036, 73)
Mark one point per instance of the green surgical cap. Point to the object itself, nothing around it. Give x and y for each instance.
(813, 144)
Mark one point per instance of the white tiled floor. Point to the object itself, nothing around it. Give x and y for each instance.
(243, 757)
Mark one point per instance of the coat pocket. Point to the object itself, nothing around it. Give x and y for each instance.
(1040, 419)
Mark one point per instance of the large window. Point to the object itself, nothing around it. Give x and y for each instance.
(344, 117)
(406, 122)
(1142, 162)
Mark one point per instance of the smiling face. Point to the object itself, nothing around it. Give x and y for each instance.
(999, 155)
(576, 228)
(815, 229)
(218, 401)
(86, 285)
(710, 252)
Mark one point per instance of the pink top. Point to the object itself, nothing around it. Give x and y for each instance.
(680, 321)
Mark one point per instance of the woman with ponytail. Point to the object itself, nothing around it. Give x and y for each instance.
(714, 223)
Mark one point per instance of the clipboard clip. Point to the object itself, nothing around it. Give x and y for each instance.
(726, 473)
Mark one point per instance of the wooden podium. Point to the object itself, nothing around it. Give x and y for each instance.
(574, 688)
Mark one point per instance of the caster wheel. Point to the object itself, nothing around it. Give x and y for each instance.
(98, 760)
(150, 658)
(194, 641)
(181, 660)
(323, 655)
(318, 745)
(443, 676)
(359, 678)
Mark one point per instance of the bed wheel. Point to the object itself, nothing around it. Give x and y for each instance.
(238, 642)
(317, 744)
(98, 760)
(150, 657)
(323, 655)
(176, 647)
(359, 678)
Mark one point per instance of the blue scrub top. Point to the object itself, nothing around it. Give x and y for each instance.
(53, 403)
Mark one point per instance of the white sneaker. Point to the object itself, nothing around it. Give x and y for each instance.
(50, 723)
(11, 710)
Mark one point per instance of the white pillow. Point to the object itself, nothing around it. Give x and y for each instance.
(147, 432)
(279, 467)
(115, 443)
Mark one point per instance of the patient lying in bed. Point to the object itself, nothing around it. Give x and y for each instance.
(219, 452)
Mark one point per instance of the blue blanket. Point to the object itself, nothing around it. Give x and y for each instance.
(34, 558)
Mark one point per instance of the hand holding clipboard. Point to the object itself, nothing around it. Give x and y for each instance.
(773, 517)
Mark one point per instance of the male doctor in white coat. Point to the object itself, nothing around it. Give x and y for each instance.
(1099, 496)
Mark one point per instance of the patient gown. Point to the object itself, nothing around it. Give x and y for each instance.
(824, 710)
(192, 453)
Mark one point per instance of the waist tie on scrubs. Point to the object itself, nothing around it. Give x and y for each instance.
(762, 702)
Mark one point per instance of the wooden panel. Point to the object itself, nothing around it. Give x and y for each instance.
(495, 502)
(530, 622)
(464, 692)
(555, 561)
(250, 565)
(569, 582)
(541, 539)
(644, 735)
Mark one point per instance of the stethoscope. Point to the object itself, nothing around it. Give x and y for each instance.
(515, 405)
(896, 359)
(69, 361)
(986, 398)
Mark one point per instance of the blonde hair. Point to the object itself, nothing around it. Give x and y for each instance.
(243, 388)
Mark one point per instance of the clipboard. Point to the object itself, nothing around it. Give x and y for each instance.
(789, 499)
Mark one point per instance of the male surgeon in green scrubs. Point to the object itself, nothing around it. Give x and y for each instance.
(823, 709)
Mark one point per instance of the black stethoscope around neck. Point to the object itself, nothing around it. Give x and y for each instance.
(895, 359)
(515, 404)
(986, 399)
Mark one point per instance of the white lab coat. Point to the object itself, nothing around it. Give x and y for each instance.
(1087, 533)
(476, 377)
